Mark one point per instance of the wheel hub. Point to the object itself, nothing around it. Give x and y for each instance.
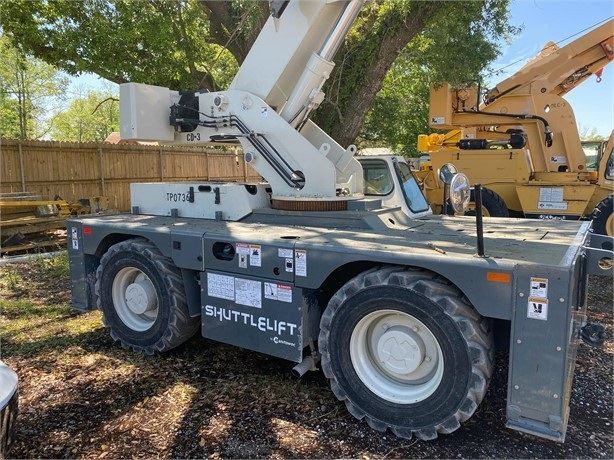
(140, 297)
(396, 356)
(400, 350)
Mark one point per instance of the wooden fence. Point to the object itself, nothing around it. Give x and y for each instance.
(83, 170)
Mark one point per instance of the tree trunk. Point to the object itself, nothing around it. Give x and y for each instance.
(235, 34)
(388, 38)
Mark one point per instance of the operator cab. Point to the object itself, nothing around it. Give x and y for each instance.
(389, 178)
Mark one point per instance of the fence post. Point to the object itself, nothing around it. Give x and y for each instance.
(104, 193)
(21, 171)
(161, 165)
(208, 165)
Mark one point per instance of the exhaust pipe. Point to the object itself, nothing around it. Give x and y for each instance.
(307, 364)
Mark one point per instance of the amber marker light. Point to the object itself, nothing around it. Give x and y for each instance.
(498, 277)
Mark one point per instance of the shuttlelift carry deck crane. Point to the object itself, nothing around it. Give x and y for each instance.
(395, 305)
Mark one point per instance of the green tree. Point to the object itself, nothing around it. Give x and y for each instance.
(190, 44)
(30, 90)
(89, 117)
(400, 109)
(162, 42)
(428, 42)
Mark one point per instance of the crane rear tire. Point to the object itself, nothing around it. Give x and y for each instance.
(142, 298)
(405, 351)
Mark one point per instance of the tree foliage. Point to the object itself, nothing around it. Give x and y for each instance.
(29, 90)
(92, 116)
(428, 43)
(190, 44)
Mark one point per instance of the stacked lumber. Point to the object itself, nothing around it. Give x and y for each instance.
(23, 215)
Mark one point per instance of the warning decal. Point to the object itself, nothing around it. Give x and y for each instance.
(255, 255)
(537, 308)
(551, 194)
(74, 238)
(539, 288)
(248, 293)
(221, 286)
(300, 262)
(280, 292)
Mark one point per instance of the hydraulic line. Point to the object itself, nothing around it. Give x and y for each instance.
(270, 154)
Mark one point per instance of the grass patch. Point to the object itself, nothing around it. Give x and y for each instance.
(36, 315)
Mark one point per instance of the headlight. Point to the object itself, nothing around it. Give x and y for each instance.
(460, 193)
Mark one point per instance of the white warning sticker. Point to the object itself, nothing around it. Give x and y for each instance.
(285, 253)
(74, 238)
(559, 159)
(243, 248)
(539, 288)
(255, 255)
(537, 308)
(221, 286)
(300, 262)
(551, 194)
(438, 120)
(280, 292)
(248, 292)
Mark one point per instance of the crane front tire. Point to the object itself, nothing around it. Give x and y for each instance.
(142, 298)
(405, 351)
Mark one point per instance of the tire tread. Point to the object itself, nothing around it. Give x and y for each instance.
(475, 328)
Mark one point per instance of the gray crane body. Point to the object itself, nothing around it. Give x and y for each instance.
(397, 306)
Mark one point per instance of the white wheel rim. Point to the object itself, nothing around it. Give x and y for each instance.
(135, 299)
(396, 356)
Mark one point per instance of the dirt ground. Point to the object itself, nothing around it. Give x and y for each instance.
(83, 396)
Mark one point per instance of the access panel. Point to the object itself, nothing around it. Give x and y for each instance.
(259, 314)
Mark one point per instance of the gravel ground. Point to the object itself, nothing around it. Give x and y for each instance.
(82, 396)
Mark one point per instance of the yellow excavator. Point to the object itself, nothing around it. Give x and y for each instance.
(520, 140)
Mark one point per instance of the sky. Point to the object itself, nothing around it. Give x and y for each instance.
(557, 21)
(544, 21)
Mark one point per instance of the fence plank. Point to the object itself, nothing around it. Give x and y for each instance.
(74, 171)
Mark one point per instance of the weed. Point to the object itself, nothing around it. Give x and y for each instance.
(56, 266)
(10, 278)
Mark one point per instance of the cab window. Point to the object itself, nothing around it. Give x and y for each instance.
(609, 168)
(377, 177)
(416, 200)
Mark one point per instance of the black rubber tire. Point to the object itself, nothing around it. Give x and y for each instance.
(492, 204)
(172, 324)
(603, 217)
(464, 338)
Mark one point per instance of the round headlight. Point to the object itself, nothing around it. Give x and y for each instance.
(460, 193)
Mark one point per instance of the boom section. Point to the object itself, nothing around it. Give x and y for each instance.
(266, 108)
